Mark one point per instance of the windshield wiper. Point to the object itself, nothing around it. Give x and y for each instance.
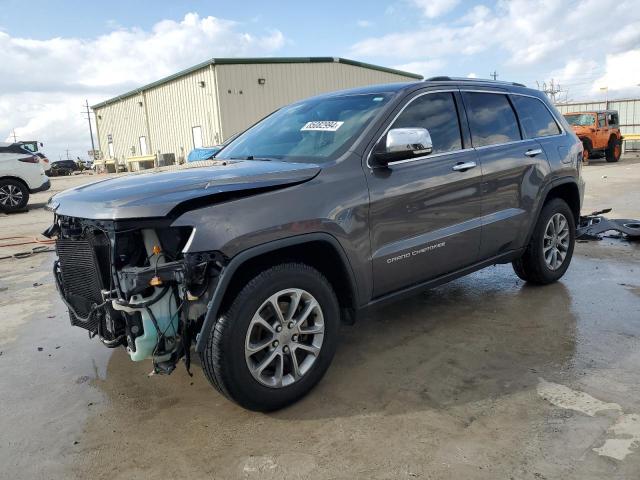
(251, 157)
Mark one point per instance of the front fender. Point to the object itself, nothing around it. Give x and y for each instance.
(227, 273)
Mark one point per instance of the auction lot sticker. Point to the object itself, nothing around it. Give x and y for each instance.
(324, 126)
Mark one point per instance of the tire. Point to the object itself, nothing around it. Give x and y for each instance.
(14, 195)
(614, 150)
(533, 267)
(226, 361)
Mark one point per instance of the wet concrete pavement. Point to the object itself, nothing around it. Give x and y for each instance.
(485, 377)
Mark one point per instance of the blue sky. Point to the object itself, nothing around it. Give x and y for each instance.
(53, 55)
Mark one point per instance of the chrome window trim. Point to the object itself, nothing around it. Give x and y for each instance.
(472, 90)
(424, 157)
(398, 162)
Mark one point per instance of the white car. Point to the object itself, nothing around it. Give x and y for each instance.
(21, 173)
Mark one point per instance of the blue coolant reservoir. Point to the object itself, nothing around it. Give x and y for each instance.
(165, 313)
(164, 310)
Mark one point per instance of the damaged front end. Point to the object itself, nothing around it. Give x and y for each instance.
(130, 283)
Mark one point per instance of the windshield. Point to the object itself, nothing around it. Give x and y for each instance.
(581, 119)
(313, 130)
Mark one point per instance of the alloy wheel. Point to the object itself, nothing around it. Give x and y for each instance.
(10, 195)
(555, 243)
(284, 338)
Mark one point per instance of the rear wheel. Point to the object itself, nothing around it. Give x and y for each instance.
(276, 340)
(613, 150)
(14, 195)
(550, 249)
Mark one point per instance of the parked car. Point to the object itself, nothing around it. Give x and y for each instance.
(599, 132)
(204, 153)
(21, 174)
(62, 168)
(328, 207)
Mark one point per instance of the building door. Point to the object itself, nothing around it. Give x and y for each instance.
(143, 146)
(110, 145)
(196, 133)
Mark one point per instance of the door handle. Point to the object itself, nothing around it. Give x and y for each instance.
(533, 152)
(463, 167)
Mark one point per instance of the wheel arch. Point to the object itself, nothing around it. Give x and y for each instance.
(586, 141)
(564, 188)
(17, 179)
(320, 250)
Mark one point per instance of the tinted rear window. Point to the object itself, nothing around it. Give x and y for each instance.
(491, 119)
(535, 119)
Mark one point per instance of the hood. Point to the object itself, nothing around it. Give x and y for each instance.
(156, 193)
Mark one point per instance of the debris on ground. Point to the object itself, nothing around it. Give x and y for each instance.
(591, 226)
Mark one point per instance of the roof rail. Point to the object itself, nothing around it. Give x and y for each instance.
(443, 78)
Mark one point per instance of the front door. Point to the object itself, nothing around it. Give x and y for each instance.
(425, 212)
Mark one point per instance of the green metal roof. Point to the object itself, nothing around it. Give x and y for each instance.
(244, 61)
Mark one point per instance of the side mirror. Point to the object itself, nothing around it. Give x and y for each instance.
(400, 144)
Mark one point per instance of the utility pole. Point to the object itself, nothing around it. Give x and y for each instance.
(494, 75)
(88, 113)
(552, 89)
(15, 139)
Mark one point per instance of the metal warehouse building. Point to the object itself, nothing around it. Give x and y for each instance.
(206, 104)
(628, 110)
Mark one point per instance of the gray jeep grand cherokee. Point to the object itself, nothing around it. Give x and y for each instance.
(325, 208)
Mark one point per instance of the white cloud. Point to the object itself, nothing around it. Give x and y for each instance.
(531, 38)
(427, 68)
(364, 23)
(472, 75)
(622, 74)
(435, 8)
(43, 83)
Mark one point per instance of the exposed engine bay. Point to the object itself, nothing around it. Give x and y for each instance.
(131, 284)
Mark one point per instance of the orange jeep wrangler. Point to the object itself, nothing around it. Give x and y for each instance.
(599, 132)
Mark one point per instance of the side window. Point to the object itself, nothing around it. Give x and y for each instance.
(437, 113)
(535, 119)
(613, 119)
(601, 122)
(491, 119)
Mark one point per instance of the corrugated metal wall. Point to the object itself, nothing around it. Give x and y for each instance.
(124, 122)
(176, 107)
(628, 110)
(243, 101)
(166, 114)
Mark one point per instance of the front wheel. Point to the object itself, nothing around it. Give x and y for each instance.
(276, 340)
(14, 195)
(550, 249)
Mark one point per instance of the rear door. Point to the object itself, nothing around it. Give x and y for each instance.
(513, 170)
(425, 211)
